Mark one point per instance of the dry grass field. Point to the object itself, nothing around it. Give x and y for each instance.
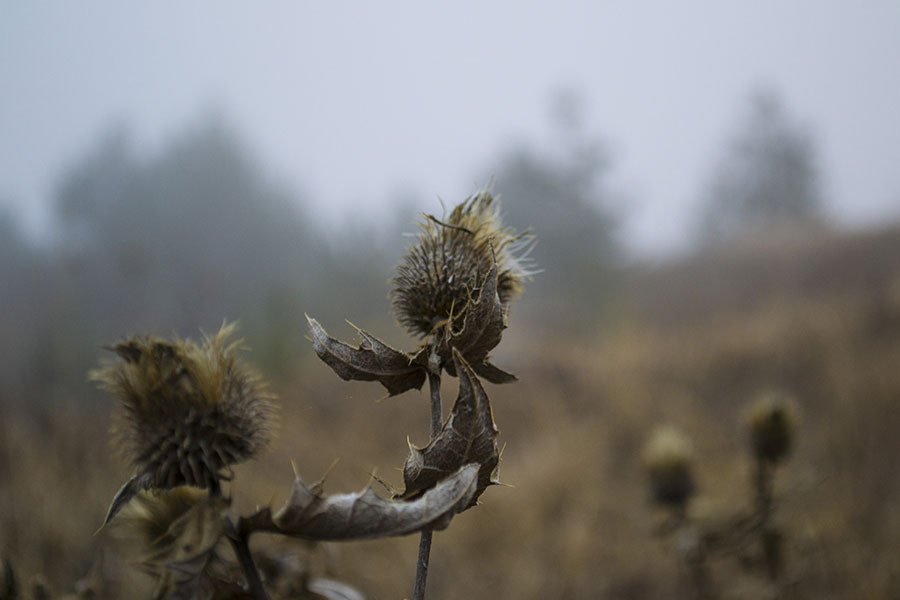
(817, 316)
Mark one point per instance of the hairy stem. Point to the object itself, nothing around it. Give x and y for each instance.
(434, 386)
(240, 543)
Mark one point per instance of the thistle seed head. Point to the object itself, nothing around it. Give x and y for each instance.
(188, 410)
(450, 260)
(771, 419)
(668, 458)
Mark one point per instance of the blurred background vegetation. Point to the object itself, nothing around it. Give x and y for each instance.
(607, 346)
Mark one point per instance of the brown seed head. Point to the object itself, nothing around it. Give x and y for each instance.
(668, 458)
(771, 419)
(188, 410)
(450, 260)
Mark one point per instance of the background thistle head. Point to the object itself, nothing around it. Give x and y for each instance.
(668, 460)
(188, 410)
(771, 420)
(450, 260)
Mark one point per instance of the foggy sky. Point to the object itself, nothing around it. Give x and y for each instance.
(354, 101)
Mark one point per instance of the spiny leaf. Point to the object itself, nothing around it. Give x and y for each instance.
(477, 330)
(468, 436)
(364, 515)
(372, 360)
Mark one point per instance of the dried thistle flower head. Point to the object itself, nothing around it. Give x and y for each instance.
(188, 410)
(771, 419)
(450, 260)
(668, 458)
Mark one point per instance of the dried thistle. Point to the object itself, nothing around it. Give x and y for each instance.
(189, 411)
(668, 458)
(150, 515)
(771, 420)
(448, 264)
(452, 287)
(179, 531)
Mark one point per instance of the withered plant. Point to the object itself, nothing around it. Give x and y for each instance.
(750, 533)
(189, 411)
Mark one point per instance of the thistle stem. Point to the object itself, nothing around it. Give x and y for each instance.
(768, 536)
(434, 386)
(240, 543)
(763, 487)
(422, 564)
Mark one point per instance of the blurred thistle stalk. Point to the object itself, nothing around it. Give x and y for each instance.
(190, 411)
(771, 420)
(668, 461)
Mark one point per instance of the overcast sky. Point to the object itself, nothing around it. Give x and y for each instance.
(351, 101)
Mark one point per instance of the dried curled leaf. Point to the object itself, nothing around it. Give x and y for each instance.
(477, 330)
(468, 436)
(364, 515)
(372, 360)
(333, 590)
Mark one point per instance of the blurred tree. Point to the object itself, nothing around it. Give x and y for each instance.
(563, 197)
(767, 176)
(28, 295)
(180, 241)
(192, 236)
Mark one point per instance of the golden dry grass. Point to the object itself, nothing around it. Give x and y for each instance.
(577, 522)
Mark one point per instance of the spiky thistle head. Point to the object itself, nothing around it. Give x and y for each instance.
(668, 458)
(450, 261)
(771, 419)
(188, 410)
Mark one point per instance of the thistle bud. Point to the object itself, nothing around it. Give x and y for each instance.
(668, 458)
(771, 420)
(450, 260)
(188, 410)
